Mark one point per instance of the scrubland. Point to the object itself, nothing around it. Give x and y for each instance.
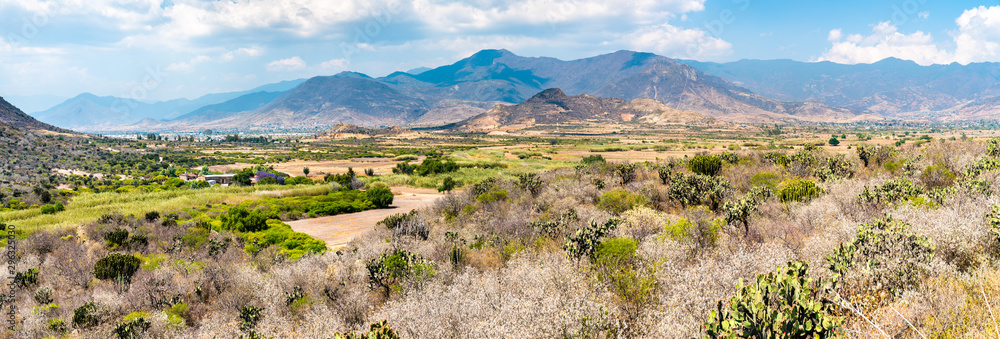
(880, 241)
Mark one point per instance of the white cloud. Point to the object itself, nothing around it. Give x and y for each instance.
(189, 65)
(835, 35)
(976, 40)
(678, 42)
(335, 64)
(924, 15)
(979, 35)
(283, 65)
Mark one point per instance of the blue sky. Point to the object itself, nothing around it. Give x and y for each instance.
(165, 49)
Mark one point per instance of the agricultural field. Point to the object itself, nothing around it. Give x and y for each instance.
(658, 234)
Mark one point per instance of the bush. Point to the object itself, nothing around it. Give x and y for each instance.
(614, 252)
(134, 328)
(85, 315)
(766, 179)
(117, 267)
(406, 224)
(798, 190)
(380, 197)
(53, 208)
(705, 165)
(786, 304)
(448, 184)
(393, 268)
(618, 201)
(833, 141)
(240, 220)
(593, 159)
(249, 317)
(937, 176)
(116, 238)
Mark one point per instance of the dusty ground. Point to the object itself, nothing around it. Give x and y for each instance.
(317, 169)
(338, 230)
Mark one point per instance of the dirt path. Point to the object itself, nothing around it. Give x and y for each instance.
(338, 230)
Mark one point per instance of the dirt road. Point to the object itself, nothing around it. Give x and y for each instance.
(338, 230)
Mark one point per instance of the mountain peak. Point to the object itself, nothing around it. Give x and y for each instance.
(351, 75)
(549, 95)
(485, 57)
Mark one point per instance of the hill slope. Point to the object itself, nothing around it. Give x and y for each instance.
(14, 118)
(552, 106)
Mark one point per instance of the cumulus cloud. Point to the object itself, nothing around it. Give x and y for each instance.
(335, 64)
(977, 40)
(284, 65)
(677, 42)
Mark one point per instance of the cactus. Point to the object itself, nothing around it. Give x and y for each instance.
(782, 304)
(393, 268)
(586, 240)
(117, 267)
(379, 330)
(705, 165)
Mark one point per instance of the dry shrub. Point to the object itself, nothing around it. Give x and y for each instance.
(544, 297)
(690, 290)
(639, 223)
(959, 228)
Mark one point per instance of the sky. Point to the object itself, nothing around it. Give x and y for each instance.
(166, 49)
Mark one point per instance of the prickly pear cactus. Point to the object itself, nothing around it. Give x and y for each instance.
(782, 304)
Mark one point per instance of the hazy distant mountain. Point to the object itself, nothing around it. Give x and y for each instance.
(88, 112)
(12, 117)
(552, 107)
(225, 109)
(472, 85)
(890, 87)
(34, 103)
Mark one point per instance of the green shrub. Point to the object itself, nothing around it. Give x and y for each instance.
(618, 201)
(937, 176)
(291, 244)
(705, 165)
(85, 315)
(618, 251)
(240, 220)
(393, 268)
(798, 190)
(380, 197)
(834, 168)
(448, 184)
(57, 325)
(766, 179)
(833, 141)
(53, 208)
(592, 159)
(494, 194)
(116, 238)
(786, 304)
(117, 267)
(729, 157)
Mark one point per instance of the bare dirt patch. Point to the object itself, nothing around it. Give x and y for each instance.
(338, 230)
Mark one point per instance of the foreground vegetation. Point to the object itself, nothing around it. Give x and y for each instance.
(884, 238)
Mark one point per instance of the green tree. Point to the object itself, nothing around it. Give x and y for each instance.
(380, 197)
(447, 184)
(305, 171)
(834, 142)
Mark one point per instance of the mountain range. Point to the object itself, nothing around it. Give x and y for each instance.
(743, 91)
(88, 112)
(892, 87)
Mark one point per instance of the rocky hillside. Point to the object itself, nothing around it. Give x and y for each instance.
(12, 117)
(553, 107)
